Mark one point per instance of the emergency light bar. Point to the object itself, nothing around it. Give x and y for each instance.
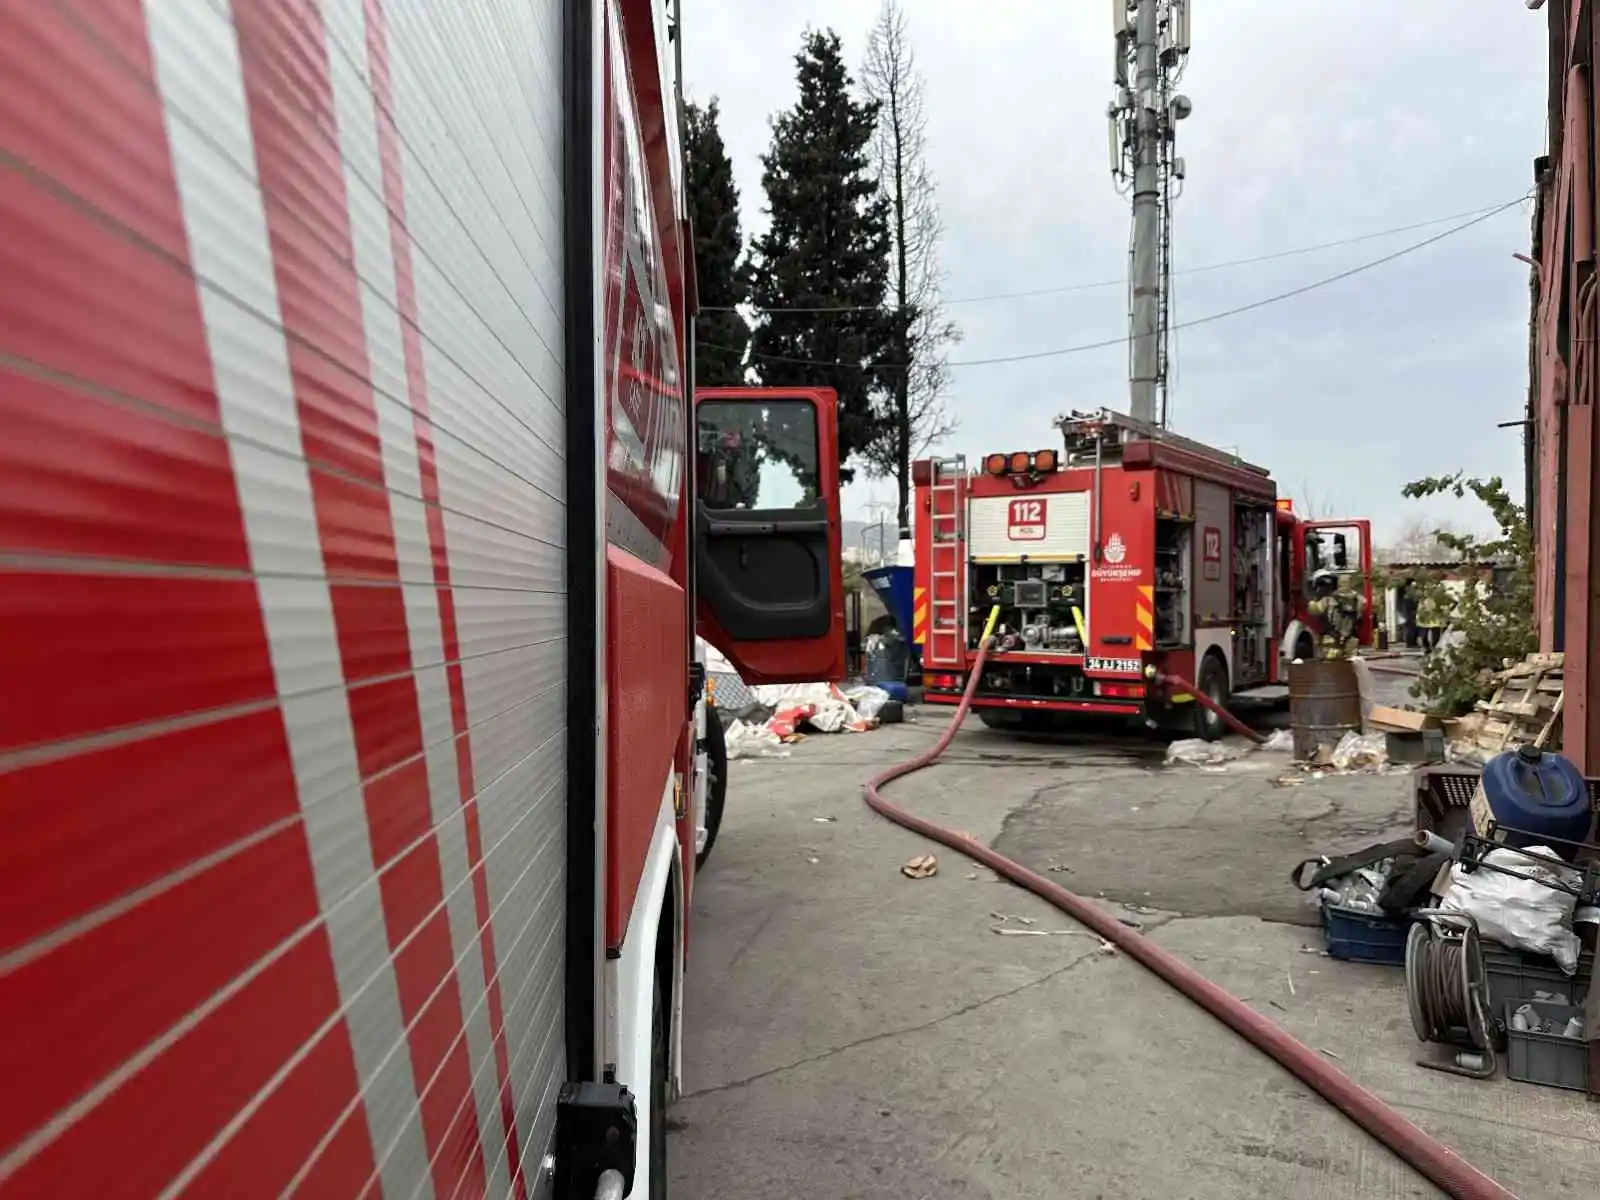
(1040, 462)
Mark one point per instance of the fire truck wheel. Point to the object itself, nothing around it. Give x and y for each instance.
(1305, 647)
(716, 782)
(1213, 682)
(658, 1092)
(1019, 722)
(999, 718)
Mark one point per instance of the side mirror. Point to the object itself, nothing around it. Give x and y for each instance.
(1341, 552)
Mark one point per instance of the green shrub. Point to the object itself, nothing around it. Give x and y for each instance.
(1493, 625)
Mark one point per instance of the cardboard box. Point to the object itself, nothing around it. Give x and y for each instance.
(1400, 720)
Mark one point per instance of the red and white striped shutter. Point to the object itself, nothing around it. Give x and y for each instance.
(281, 622)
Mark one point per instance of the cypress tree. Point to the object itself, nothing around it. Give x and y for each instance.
(819, 272)
(722, 337)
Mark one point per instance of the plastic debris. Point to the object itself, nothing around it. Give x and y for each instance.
(1000, 916)
(1358, 890)
(1356, 751)
(1520, 912)
(868, 700)
(1279, 741)
(1199, 753)
(923, 866)
(770, 715)
(753, 741)
(1213, 756)
(1527, 1019)
(822, 707)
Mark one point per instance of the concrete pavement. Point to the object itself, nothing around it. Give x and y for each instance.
(852, 1033)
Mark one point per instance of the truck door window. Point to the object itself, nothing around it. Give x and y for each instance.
(1313, 553)
(758, 457)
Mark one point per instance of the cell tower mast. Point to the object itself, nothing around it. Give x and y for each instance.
(1152, 39)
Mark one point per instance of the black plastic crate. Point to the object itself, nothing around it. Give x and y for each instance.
(1514, 976)
(1444, 792)
(1544, 1058)
(1356, 936)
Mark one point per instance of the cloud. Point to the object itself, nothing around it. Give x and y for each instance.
(1313, 121)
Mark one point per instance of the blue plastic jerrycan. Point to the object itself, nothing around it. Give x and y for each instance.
(1542, 795)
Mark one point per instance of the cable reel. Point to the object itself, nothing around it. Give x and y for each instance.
(1447, 990)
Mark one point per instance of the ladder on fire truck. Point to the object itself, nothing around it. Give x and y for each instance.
(947, 567)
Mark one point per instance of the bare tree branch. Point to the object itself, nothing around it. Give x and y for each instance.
(1315, 505)
(1421, 540)
(922, 333)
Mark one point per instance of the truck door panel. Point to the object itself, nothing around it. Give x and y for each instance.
(766, 531)
(1321, 537)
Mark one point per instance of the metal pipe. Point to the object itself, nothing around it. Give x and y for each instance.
(1430, 841)
(1146, 268)
(1099, 445)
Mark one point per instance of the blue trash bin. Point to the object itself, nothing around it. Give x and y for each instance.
(896, 590)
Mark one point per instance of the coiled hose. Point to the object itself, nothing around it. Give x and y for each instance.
(1437, 972)
(1447, 989)
(1436, 1161)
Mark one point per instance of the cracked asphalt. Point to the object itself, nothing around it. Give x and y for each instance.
(850, 1032)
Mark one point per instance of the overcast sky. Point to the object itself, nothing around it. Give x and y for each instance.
(1314, 120)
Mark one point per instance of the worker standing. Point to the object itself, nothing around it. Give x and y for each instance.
(1430, 622)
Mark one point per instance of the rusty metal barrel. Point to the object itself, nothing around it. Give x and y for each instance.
(1324, 704)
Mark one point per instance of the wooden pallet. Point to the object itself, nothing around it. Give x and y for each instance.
(1525, 708)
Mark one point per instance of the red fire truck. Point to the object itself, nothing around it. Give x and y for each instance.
(354, 524)
(1130, 548)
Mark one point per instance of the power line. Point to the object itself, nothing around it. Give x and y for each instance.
(1094, 285)
(1121, 339)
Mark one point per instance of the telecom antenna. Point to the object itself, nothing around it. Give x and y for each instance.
(1152, 47)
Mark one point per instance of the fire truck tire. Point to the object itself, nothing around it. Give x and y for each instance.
(716, 782)
(1305, 647)
(999, 718)
(1213, 682)
(1019, 722)
(659, 1066)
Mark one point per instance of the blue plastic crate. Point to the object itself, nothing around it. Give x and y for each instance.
(1356, 936)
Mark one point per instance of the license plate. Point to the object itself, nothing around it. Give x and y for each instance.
(1116, 666)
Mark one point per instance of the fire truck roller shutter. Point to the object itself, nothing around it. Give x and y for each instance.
(295, 642)
(1045, 526)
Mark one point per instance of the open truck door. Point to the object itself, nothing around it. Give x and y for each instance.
(766, 531)
(1344, 547)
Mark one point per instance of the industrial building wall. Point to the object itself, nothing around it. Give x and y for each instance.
(1566, 384)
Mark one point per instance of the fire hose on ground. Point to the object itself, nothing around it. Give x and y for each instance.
(1180, 685)
(1436, 1161)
